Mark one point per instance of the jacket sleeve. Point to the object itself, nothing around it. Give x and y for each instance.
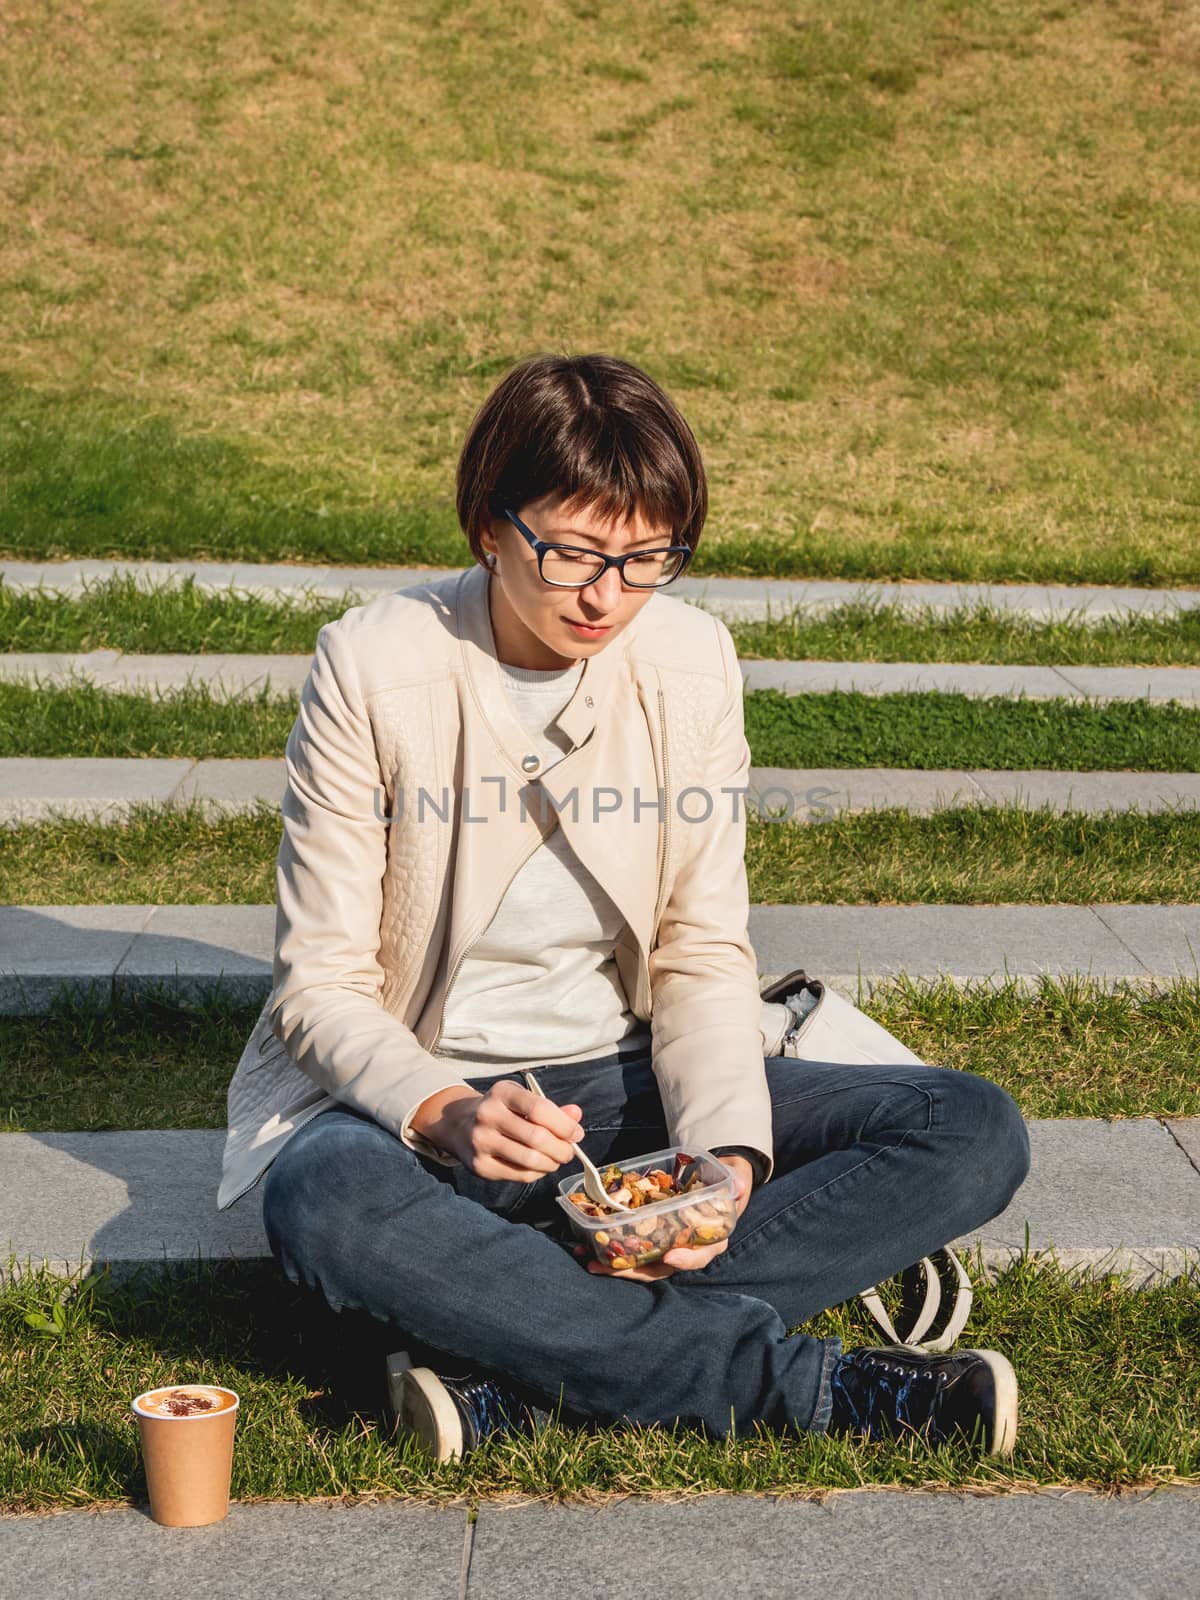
(706, 1011)
(326, 1005)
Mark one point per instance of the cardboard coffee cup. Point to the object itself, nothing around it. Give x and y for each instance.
(187, 1448)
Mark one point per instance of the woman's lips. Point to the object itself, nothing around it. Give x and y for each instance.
(587, 627)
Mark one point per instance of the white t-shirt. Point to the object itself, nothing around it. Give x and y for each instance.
(540, 985)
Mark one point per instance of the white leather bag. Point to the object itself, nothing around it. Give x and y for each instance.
(836, 1030)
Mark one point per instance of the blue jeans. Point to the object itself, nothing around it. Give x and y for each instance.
(874, 1168)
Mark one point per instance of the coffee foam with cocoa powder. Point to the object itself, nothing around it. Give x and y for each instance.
(185, 1400)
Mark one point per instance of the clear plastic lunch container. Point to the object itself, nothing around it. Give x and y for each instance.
(625, 1239)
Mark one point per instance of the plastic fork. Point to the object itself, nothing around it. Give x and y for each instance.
(593, 1185)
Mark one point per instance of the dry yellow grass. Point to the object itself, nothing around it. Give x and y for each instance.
(922, 277)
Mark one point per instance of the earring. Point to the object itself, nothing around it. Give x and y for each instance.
(491, 560)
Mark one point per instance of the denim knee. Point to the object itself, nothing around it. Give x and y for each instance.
(304, 1185)
(991, 1118)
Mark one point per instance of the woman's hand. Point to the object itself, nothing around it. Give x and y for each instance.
(686, 1260)
(509, 1133)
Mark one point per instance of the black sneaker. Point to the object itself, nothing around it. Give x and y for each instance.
(451, 1416)
(893, 1389)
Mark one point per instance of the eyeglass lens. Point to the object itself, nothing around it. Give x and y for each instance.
(567, 567)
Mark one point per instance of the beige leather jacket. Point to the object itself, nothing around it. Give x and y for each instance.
(382, 889)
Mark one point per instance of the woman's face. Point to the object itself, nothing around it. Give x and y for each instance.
(531, 620)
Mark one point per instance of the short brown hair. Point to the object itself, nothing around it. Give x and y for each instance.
(594, 430)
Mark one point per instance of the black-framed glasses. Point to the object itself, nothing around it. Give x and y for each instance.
(569, 566)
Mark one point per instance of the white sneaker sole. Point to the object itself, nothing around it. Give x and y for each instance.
(1004, 1380)
(423, 1408)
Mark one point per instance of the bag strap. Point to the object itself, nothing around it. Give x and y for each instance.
(957, 1321)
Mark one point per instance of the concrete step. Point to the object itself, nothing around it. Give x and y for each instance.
(228, 676)
(235, 675)
(36, 788)
(1156, 684)
(1043, 1544)
(1101, 1196)
(736, 598)
(187, 949)
(104, 789)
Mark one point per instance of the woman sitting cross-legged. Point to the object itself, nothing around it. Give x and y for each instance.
(513, 841)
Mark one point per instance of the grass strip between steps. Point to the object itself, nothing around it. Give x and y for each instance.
(970, 855)
(1109, 1390)
(120, 614)
(1067, 1049)
(839, 729)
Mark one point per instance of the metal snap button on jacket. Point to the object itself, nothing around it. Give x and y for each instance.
(530, 763)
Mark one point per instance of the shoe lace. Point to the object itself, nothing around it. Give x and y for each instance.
(489, 1408)
(873, 1390)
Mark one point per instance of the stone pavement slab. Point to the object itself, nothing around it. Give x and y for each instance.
(961, 942)
(1186, 1133)
(93, 787)
(73, 577)
(805, 794)
(731, 597)
(189, 948)
(42, 947)
(49, 667)
(183, 954)
(228, 675)
(812, 792)
(1050, 1544)
(288, 1549)
(232, 675)
(32, 789)
(271, 581)
(1101, 1196)
(1092, 791)
(222, 785)
(235, 675)
(905, 677)
(184, 948)
(132, 1198)
(1105, 1194)
(906, 1546)
(1155, 684)
(1166, 941)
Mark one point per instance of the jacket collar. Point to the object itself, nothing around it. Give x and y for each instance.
(595, 691)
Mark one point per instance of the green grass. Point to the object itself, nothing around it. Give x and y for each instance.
(1110, 1383)
(179, 618)
(865, 632)
(974, 855)
(922, 278)
(1068, 1048)
(821, 730)
(969, 855)
(84, 721)
(135, 1064)
(118, 614)
(953, 731)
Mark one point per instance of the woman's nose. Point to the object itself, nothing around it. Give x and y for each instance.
(605, 593)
